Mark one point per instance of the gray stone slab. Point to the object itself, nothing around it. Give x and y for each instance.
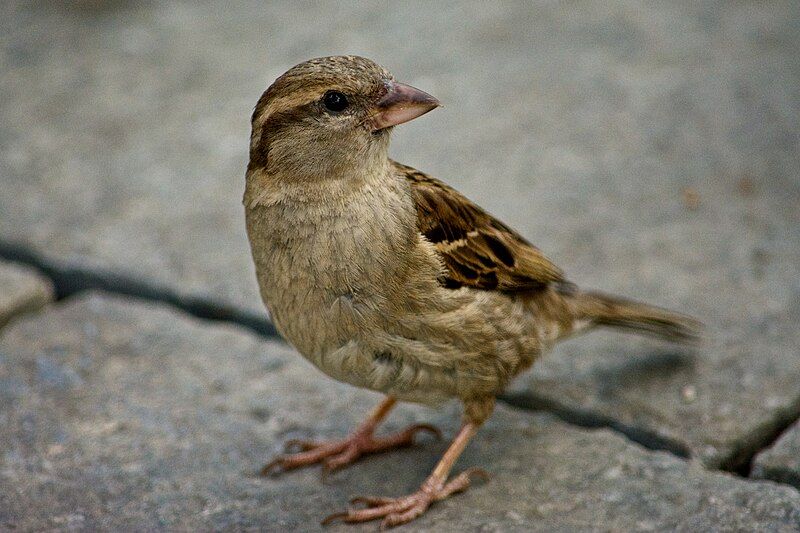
(123, 415)
(650, 150)
(781, 461)
(720, 404)
(22, 289)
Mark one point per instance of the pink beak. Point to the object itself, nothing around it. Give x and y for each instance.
(401, 104)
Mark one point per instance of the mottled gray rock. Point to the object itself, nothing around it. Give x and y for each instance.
(22, 289)
(649, 149)
(781, 461)
(721, 403)
(119, 414)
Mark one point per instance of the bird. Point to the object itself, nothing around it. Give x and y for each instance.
(389, 279)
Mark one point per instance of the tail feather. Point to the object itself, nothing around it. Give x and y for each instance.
(600, 309)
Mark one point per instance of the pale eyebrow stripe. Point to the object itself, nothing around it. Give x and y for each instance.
(291, 101)
(281, 104)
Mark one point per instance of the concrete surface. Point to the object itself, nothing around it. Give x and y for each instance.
(781, 461)
(127, 415)
(650, 149)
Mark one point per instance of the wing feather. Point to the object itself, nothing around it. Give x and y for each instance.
(477, 250)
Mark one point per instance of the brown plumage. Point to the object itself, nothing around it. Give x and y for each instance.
(481, 252)
(478, 250)
(388, 279)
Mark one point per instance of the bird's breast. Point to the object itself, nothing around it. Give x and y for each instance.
(328, 270)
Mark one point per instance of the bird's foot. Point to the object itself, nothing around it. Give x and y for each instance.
(339, 453)
(397, 511)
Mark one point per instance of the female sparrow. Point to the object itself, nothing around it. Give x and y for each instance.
(388, 279)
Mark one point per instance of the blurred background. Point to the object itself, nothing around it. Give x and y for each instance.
(650, 149)
(634, 144)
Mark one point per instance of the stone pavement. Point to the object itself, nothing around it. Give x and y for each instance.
(127, 415)
(649, 149)
(781, 462)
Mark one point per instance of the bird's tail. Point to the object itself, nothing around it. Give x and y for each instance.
(597, 309)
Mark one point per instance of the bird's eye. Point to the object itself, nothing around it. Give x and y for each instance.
(335, 101)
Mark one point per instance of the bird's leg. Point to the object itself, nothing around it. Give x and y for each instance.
(338, 453)
(396, 511)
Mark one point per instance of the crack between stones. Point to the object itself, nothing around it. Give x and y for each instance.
(742, 461)
(70, 280)
(739, 463)
(587, 419)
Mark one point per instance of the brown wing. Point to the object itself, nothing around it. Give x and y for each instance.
(478, 250)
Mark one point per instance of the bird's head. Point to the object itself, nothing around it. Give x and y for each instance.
(329, 116)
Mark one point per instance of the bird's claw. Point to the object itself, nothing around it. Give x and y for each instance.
(337, 454)
(397, 511)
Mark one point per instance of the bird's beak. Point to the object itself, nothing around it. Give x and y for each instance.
(400, 104)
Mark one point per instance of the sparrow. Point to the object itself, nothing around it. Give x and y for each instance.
(388, 279)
